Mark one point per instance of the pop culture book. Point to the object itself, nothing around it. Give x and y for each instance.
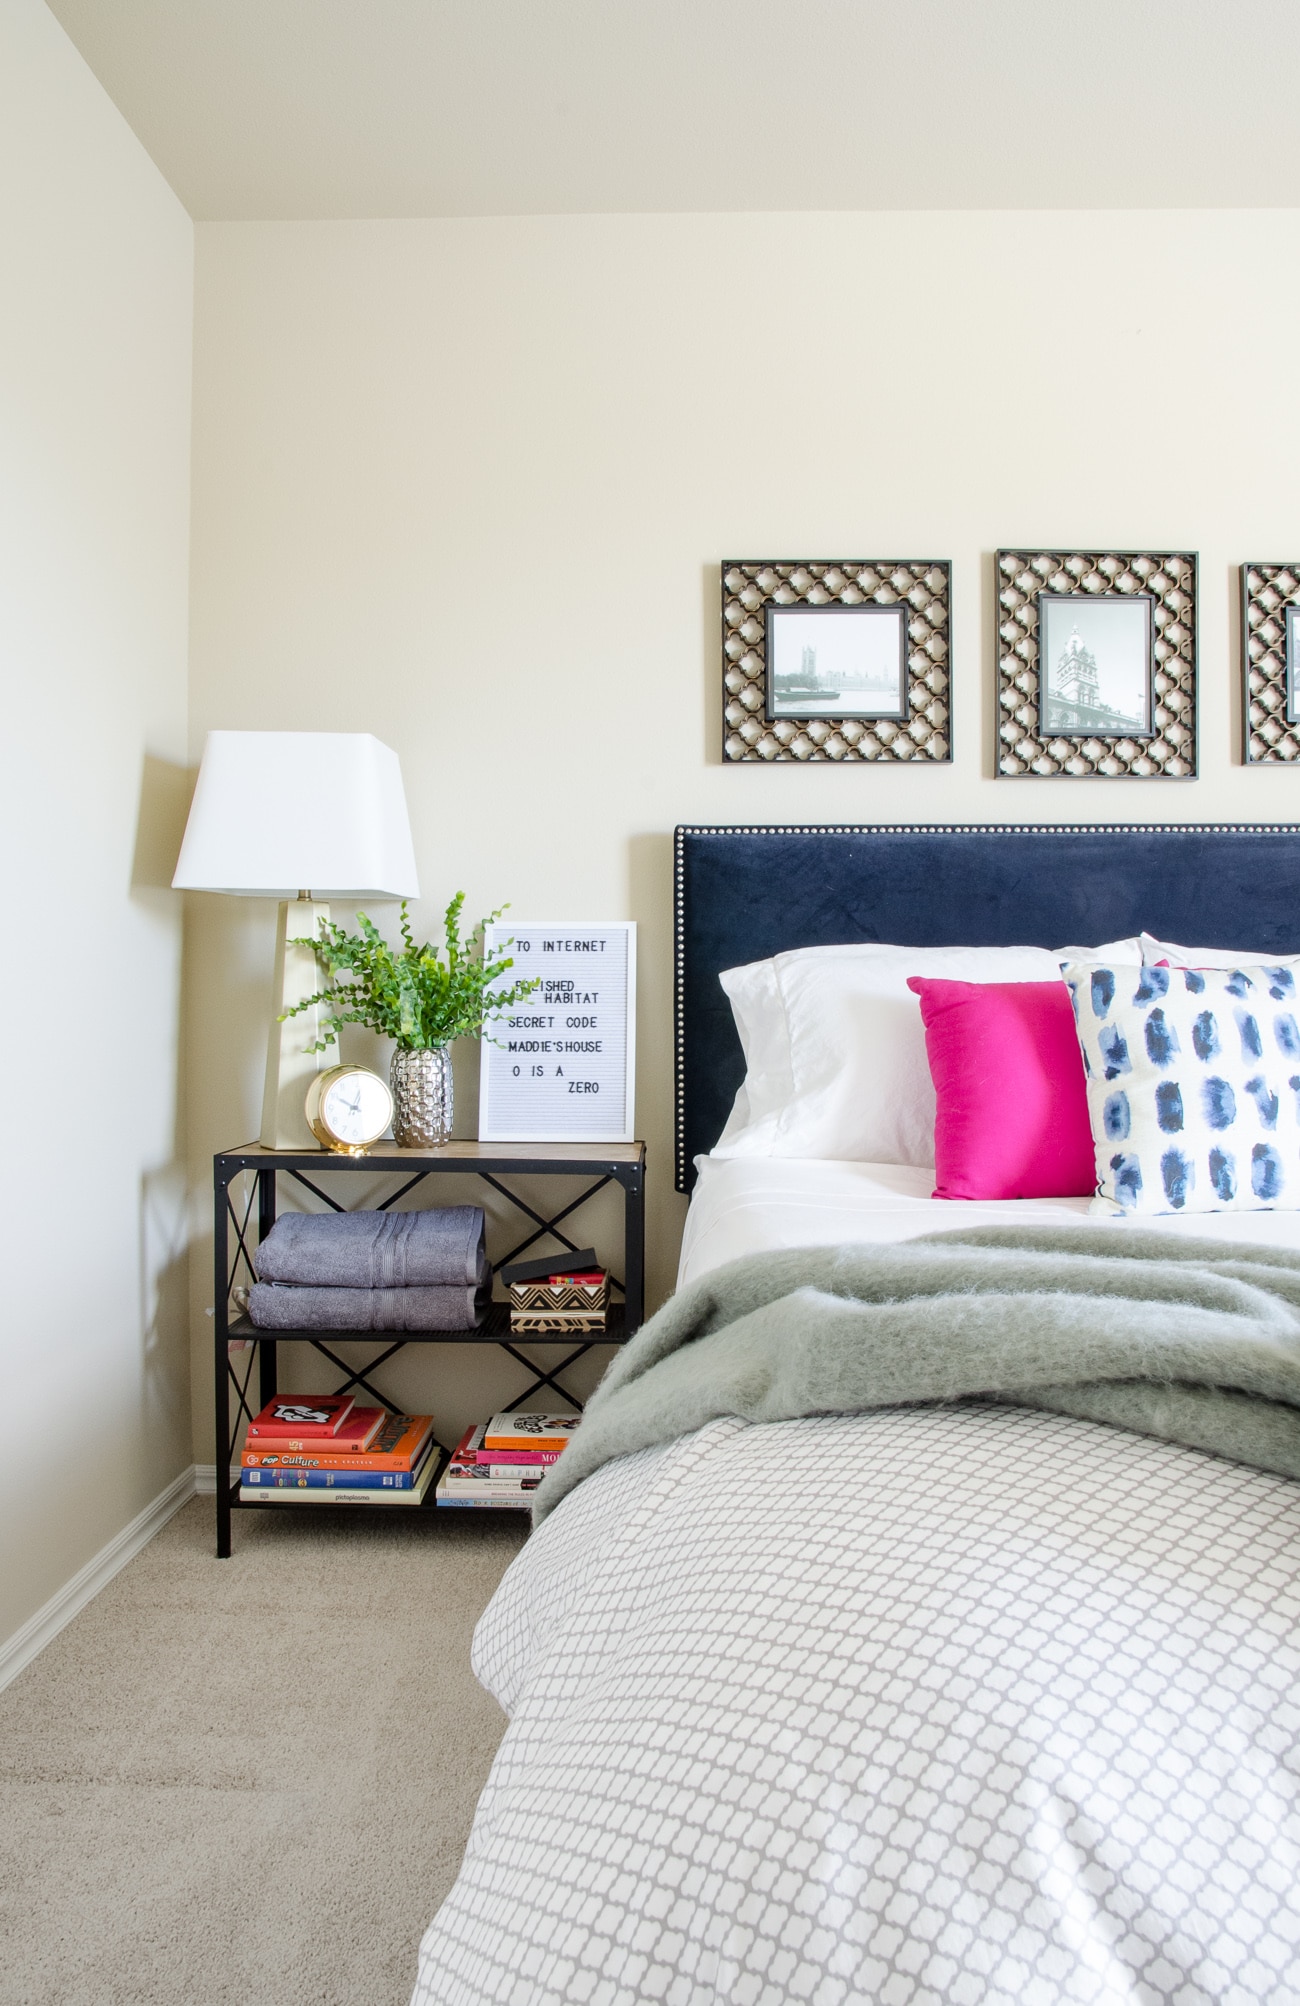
(285, 1477)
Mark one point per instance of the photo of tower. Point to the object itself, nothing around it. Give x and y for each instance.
(1095, 659)
(837, 661)
(804, 683)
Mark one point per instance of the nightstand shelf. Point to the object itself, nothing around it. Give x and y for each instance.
(494, 1329)
(239, 1226)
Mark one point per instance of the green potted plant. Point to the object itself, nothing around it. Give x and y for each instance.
(420, 1000)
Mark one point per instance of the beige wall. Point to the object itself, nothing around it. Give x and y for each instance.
(95, 353)
(467, 485)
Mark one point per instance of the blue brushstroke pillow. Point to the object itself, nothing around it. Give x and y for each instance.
(1193, 1086)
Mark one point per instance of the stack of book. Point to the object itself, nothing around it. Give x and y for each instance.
(558, 1299)
(323, 1449)
(500, 1462)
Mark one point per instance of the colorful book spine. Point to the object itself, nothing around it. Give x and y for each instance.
(540, 1459)
(476, 1479)
(331, 1480)
(302, 1494)
(528, 1431)
(479, 1477)
(301, 1417)
(356, 1434)
(399, 1445)
(249, 1494)
(477, 1495)
(470, 1464)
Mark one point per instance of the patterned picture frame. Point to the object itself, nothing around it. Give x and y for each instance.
(754, 589)
(1026, 749)
(1270, 670)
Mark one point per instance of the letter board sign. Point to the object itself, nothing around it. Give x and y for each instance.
(559, 1067)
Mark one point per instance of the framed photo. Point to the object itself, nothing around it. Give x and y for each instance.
(1096, 660)
(836, 661)
(1096, 664)
(840, 660)
(561, 1067)
(1270, 663)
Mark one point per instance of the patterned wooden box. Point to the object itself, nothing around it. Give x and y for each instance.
(560, 1306)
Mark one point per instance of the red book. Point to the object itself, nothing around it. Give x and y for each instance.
(397, 1442)
(308, 1417)
(463, 1456)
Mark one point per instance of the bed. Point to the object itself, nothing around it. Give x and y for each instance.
(739, 1208)
(955, 1700)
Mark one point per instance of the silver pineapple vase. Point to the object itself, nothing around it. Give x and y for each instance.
(421, 1083)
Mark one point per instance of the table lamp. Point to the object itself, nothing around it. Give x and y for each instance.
(299, 816)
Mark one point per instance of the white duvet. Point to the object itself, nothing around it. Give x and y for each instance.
(937, 1705)
(740, 1207)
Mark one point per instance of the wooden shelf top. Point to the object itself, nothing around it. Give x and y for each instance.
(450, 1155)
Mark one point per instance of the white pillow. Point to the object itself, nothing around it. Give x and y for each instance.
(1209, 957)
(1193, 1086)
(835, 1047)
(768, 1085)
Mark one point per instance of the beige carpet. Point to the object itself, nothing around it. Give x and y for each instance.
(245, 1781)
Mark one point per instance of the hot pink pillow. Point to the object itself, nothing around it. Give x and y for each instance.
(1012, 1119)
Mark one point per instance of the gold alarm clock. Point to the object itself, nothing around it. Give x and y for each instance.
(348, 1108)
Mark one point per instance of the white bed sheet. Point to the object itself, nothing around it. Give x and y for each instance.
(743, 1206)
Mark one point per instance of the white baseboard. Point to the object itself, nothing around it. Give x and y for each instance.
(19, 1650)
(205, 1478)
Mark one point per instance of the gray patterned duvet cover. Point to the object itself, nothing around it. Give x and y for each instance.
(962, 1704)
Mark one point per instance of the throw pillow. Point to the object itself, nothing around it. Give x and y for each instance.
(1011, 1116)
(1193, 1086)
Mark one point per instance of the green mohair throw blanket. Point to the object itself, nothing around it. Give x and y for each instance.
(1195, 1341)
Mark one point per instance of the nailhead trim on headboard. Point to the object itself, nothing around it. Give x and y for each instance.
(693, 831)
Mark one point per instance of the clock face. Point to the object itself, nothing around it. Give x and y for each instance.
(357, 1108)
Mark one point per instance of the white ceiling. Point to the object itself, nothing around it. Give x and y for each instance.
(340, 108)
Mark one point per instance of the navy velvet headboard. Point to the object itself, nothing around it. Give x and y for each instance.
(745, 893)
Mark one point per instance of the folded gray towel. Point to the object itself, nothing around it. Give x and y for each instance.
(281, 1306)
(441, 1248)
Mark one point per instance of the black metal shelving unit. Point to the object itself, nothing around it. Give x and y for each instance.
(239, 1223)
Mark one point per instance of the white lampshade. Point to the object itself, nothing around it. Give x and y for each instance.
(279, 812)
